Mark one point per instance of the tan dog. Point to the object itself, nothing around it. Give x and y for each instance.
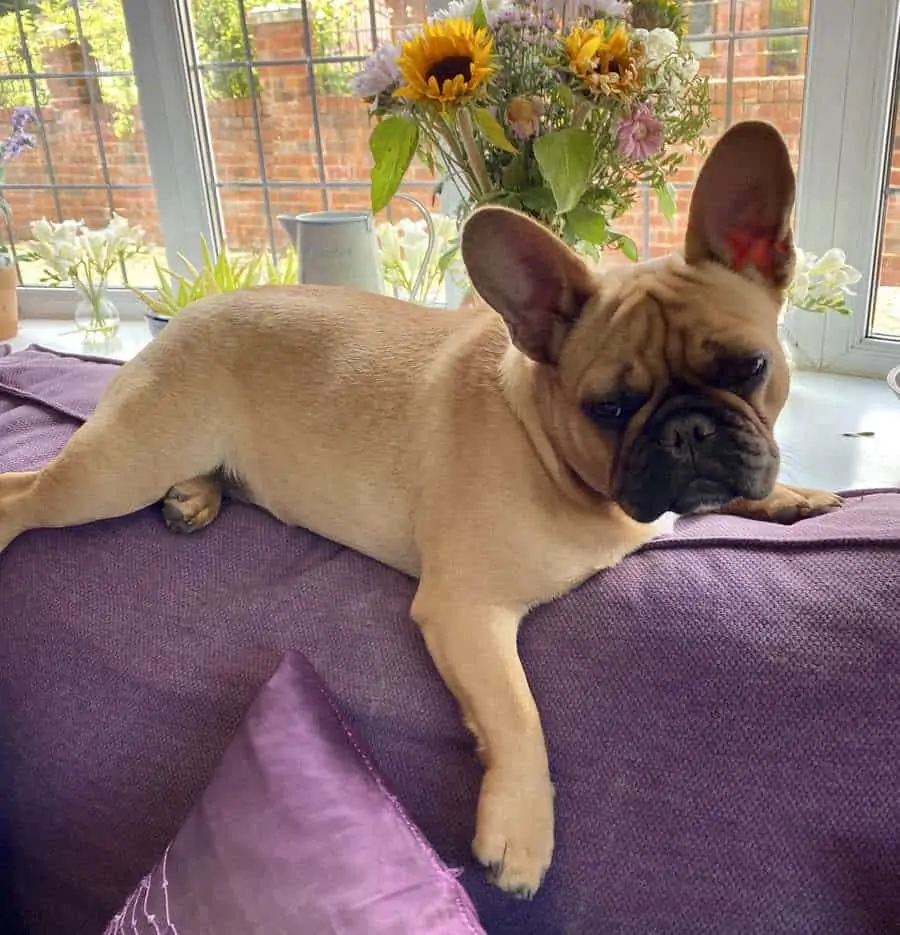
(500, 458)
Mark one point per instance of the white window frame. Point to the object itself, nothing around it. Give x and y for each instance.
(845, 118)
(851, 68)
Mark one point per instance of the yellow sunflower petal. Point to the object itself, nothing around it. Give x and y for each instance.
(447, 62)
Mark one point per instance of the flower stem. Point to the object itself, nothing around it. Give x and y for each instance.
(474, 154)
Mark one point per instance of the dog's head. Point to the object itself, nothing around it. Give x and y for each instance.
(658, 384)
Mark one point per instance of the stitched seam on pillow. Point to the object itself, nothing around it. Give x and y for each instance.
(446, 873)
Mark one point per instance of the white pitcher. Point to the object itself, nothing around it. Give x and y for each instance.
(340, 248)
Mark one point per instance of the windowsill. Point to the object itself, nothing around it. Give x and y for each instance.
(60, 335)
(816, 430)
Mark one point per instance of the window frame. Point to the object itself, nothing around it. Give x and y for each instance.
(846, 115)
(846, 86)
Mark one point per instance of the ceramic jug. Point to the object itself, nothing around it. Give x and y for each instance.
(340, 248)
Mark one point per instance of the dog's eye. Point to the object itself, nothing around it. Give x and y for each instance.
(743, 374)
(613, 410)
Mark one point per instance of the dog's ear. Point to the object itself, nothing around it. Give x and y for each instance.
(740, 212)
(529, 276)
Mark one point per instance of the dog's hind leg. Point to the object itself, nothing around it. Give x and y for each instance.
(128, 456)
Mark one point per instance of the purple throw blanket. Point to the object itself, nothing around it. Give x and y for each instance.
(722, 709)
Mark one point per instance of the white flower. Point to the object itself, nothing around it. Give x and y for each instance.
(830, 261)
(616, 9)
(389, 245)
(465, 9)
(42, 231)
(379, 72)
(658, 44)
(820, 283)
(799, 288)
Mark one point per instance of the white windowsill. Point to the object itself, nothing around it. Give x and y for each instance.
(815, 431)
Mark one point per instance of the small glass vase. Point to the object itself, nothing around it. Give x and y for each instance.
(96, 315)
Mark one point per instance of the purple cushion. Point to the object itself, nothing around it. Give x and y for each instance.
(298, 833)
(721, 708)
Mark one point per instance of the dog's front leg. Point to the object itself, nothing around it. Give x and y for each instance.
(474, 649)
(786, 504)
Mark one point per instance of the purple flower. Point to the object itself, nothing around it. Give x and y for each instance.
(18, 141)
(380, 72)
(21, 116)
(640, 135)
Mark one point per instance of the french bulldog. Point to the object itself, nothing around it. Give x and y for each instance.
(500, 454)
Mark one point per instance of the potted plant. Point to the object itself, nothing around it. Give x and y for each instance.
(223, 273)
(16, 143)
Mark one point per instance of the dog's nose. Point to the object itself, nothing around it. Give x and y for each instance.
(684, 433)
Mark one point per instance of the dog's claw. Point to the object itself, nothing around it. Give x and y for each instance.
(514, 835)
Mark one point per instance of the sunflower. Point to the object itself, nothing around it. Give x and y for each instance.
(446, 63)
(601, 57)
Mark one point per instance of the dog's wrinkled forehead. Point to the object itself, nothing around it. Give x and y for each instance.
(668, 323)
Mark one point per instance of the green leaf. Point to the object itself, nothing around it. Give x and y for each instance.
(587, 225)
(479, 17)
(514, 174)
(566, 159)
(491, 129)
(509, 200)
(538, 199)
(665, 194)
(566, 97)
(447, 257)
(626, 245)
(392, 144)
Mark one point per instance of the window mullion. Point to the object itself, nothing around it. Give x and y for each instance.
(171, 130)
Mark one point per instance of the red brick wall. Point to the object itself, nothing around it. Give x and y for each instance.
(288, 143)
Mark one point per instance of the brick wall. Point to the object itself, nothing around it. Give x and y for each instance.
(288, 143)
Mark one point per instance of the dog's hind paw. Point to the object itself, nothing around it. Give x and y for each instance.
(514, 833)
(193, 504)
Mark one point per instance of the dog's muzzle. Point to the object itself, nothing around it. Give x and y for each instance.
(694, 454)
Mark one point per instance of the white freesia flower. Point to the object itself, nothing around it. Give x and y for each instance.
(465, 9)
(389, 245)
(72, 253)
(821, 283)
(402, 248)
(42, 230)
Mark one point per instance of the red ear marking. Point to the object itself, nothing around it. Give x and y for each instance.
(755, 248)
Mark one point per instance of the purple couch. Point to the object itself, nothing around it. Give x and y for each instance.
(722, 710)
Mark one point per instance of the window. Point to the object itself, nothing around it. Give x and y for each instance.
(784, 50)
(211, 117)
(91, 158)
(848, 183)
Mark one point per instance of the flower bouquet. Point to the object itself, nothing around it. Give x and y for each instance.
(73, 253)
(561, 113)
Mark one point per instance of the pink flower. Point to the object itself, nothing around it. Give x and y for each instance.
(640, 136)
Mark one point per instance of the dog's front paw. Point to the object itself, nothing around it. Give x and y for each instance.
(787, 505)
(514, 831)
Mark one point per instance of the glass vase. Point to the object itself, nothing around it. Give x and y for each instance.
(96, 315)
